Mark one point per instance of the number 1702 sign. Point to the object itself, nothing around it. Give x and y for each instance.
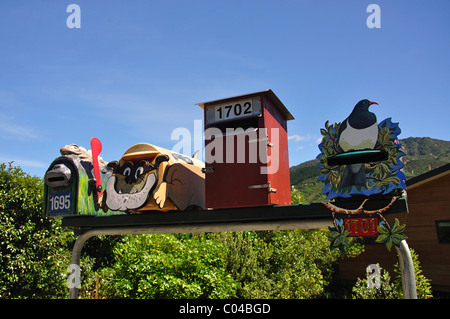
(233, 110)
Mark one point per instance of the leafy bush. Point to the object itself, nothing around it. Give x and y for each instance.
(387, 289)
(423, 284)
(33, 250)
(392, 289)
(163, 266)
(282, 263)
(248, 264)
(302, 263)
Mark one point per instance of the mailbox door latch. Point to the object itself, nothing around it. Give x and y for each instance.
(270, 189)
(264, 139)
(208, 169)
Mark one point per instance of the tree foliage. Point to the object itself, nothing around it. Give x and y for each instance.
(163, 266)
(392, 288)
(33, 249)
(264, 264)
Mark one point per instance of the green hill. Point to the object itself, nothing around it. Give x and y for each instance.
(422, 155)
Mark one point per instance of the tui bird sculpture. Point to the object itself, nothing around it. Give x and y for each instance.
(357, 132)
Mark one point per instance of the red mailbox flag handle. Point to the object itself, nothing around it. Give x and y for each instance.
(96, 148)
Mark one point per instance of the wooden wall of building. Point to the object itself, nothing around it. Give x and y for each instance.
(427, 202)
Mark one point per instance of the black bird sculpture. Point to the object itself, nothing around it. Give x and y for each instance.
(358, 131)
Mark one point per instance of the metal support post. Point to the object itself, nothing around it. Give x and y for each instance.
(76, 257)
(407, 268)
(288, 217)
(189, 228)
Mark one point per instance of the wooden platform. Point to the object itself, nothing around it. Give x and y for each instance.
(303, 216)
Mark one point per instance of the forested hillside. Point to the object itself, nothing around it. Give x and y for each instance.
(422, 154)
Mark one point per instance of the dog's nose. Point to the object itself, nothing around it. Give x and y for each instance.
(130, 180)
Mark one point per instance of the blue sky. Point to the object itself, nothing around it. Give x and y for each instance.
(135, 69)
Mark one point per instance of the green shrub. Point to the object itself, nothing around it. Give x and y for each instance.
(392, 289)
(33, 250)
(163, 266)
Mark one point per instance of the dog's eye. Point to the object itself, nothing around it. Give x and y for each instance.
(127, 171)
(141, 168)
(139, 172)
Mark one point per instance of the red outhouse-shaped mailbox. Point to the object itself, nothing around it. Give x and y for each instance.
(246, 151)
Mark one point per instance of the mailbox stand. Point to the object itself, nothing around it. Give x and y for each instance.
(277, 217)
(288, 222)
(407, 268)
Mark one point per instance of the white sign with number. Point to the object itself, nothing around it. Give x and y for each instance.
(233, 110)
(59, 203)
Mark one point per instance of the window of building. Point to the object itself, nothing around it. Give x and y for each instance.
(443, 231)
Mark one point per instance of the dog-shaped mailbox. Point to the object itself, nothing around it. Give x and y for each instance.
(148, 177)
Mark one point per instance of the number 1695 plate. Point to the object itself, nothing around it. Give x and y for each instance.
(59, 203)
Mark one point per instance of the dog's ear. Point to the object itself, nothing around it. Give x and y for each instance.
(161, 158)
(113, 165)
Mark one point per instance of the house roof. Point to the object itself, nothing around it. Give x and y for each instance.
(428, 176)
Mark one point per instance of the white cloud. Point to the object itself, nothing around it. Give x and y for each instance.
(296, 138)
(128, 108)
(10, 129)
(142, 116)
(304, 141)
(301, 138)
(21, 161)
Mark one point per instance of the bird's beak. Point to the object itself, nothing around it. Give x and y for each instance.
(370, 103)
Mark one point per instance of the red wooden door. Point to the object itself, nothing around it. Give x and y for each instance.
(234, 178)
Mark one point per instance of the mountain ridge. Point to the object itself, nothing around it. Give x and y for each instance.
(422, 154)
